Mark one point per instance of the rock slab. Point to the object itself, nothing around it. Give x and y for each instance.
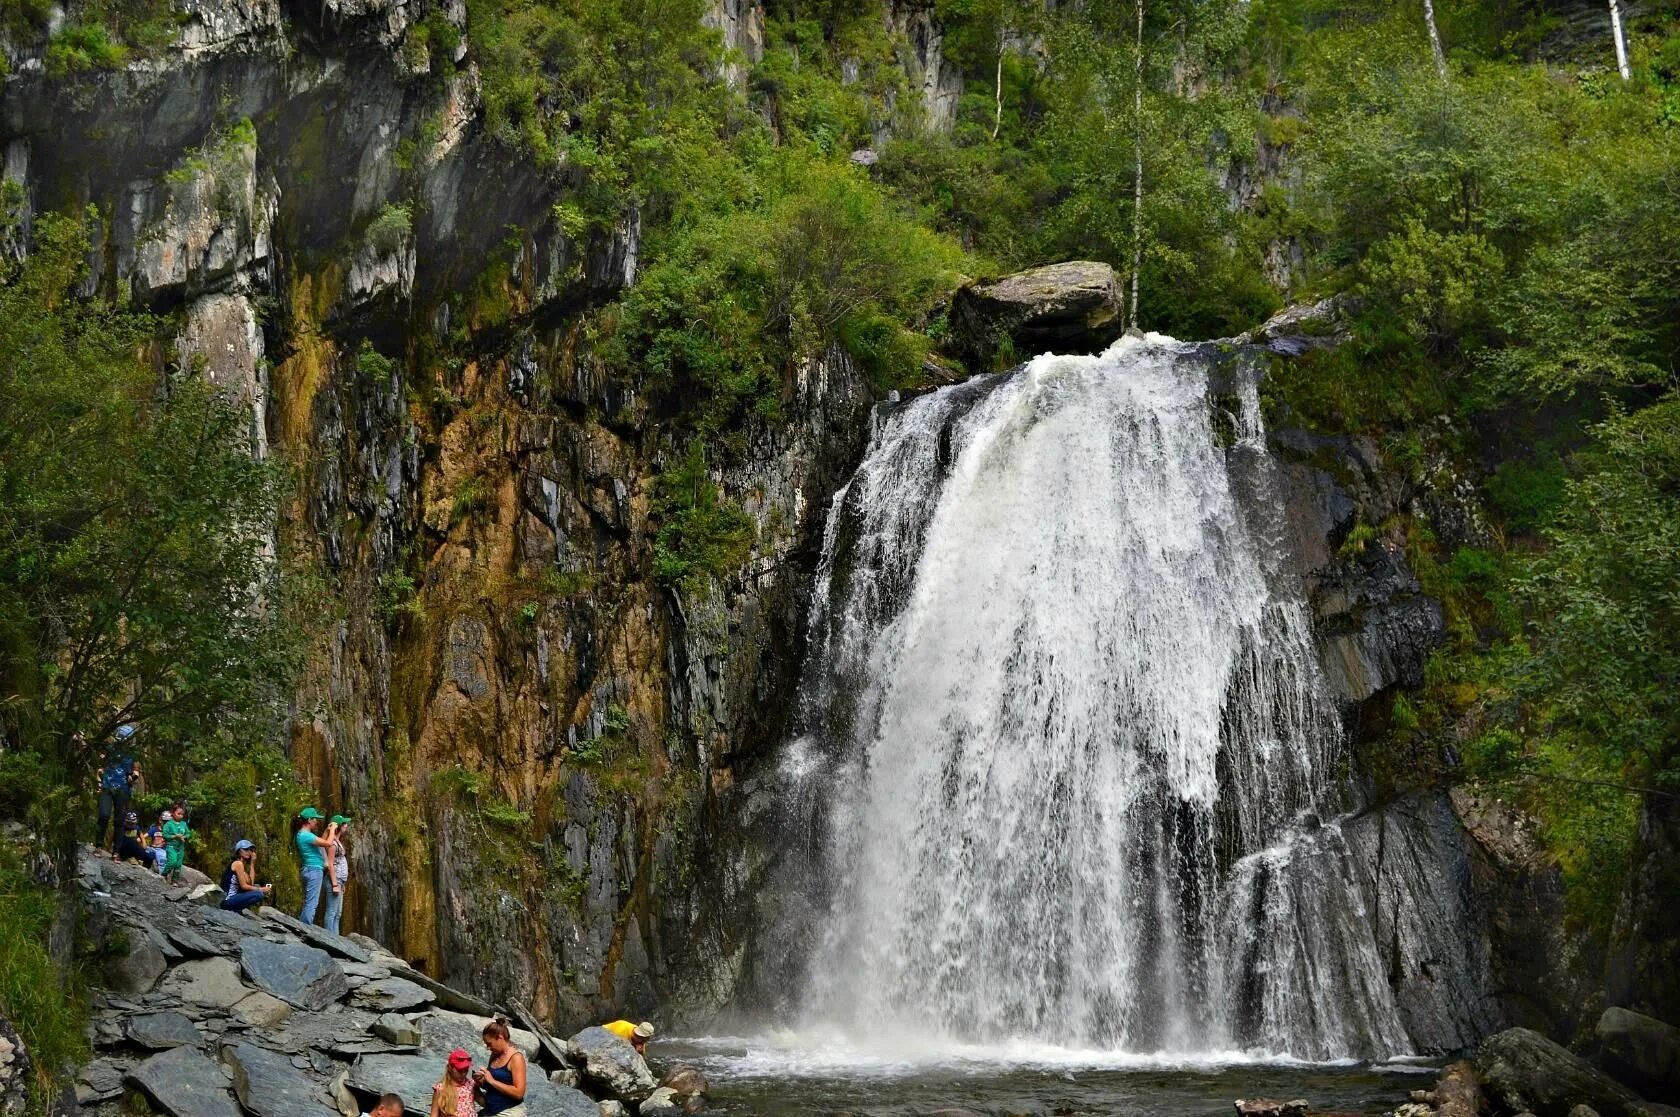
(162, 1030)
(611, 1065)
(302, 976)
(1523, 1071)
(184, 1084)
(1641, 1051)
(268, 1085)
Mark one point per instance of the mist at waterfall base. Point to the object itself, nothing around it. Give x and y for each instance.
(1066, 788)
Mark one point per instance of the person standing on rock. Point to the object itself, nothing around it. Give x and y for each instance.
(338, 871)
(240, 889)
(175, 835)
(116, 784)
(311, 848)
(636, 1035)
(502, 1081)
(453, 1097)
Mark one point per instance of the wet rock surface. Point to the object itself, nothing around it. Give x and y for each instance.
(1523, 1071)
(1642, 1051)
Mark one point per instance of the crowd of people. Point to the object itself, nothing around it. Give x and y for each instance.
(497, 1087)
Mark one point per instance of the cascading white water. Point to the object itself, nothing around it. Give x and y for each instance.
(1067, 737)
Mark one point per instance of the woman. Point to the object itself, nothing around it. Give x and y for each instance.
(453, 1097)
(338, 871)
(502, 1082)
(310, 846)
(240, 889)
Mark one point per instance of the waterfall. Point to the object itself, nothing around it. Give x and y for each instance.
(1066, 745)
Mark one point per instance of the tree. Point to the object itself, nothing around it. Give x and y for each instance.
(1617, 34)
(137, 580)
(1435, 37)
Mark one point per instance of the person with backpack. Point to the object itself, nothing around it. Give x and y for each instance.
(117, 773)
(128, 842)
(240, 889)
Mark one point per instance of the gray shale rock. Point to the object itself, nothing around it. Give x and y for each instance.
(396, 1029)
(139, 968)
(393, 994)
(208, 982)
(1523, 1070)
(185, 1084)
(412, 1077)
(1641, 1051)
(316, 936)
(611, 1065)
(302, 976)
(269, 1085)
(162, 1030)
(260, 1010)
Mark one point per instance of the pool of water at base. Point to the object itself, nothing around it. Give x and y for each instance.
(768, 1077)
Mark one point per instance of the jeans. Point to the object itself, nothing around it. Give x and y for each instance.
(335, 910)
(112, 806)
(241, 901)
(311, 892)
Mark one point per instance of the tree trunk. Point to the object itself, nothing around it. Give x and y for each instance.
(997, 120)
(1435, 37)
(1621, 40)
(1137, 171)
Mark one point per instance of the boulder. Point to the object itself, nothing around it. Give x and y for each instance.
(208, 982)
(260, 1010)
(687, 1082)
(302, 976)
(1641, 1050)
(268, 1085)
(661, 1103)
(162, 1030)
(393, 994)
(396, 1029)
(612, 1109)
(1074, 307)
(611, 1065)
(1523, 1070)
(137, 968)
(184, 1083)
(1271, 1107)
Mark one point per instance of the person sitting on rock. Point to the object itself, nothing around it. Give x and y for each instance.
(175, 835)
(502, 1081)
(453, 1096)
(154, 840)
(388, 1105)
(636, 1034)
(129, 847)
(240, 889)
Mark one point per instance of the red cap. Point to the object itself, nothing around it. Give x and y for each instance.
(459, 1059)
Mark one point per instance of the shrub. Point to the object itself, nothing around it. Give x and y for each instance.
(390, 228)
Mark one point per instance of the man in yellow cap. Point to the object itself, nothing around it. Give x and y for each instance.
(637, 1034)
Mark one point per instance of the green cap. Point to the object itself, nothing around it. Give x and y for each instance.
(310, 814)
(340, 819)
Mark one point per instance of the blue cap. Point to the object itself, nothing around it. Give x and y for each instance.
(242, 845)
(124, 732)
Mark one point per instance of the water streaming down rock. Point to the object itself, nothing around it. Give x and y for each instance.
(1066, 737)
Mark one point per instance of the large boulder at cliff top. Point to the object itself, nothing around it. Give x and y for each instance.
(1072, 307)
(302, 976)
(1641, 1051)
(184, 1084)
(268, 1085)
(1524, 1071)
(611, 1065)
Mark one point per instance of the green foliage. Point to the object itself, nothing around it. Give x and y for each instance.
(133, 587)
(46, 1003)
(390, 227)
(373, 366)
(83, 46)
(702, 535)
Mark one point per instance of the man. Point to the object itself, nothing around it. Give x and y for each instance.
(116, 783)
(388, 1106)
(637, 1034)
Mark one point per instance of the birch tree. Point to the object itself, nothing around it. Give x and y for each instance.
(1435, 37)
(1617, 34)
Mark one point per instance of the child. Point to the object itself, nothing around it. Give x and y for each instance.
(453, 1096)
(175, 835)
(128, 840)
(154, 841)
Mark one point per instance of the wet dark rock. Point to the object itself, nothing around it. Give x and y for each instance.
(611, 1065)
(663, 1102)
(270, 1085)
(1640, 1050)
(302, 976)
(1523, 1070)
(1270, 1107)
(184, 1084)
(687, 1082)
(162, 1030)
(1063, 308)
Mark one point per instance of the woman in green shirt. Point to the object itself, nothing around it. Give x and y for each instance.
(310, 845)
